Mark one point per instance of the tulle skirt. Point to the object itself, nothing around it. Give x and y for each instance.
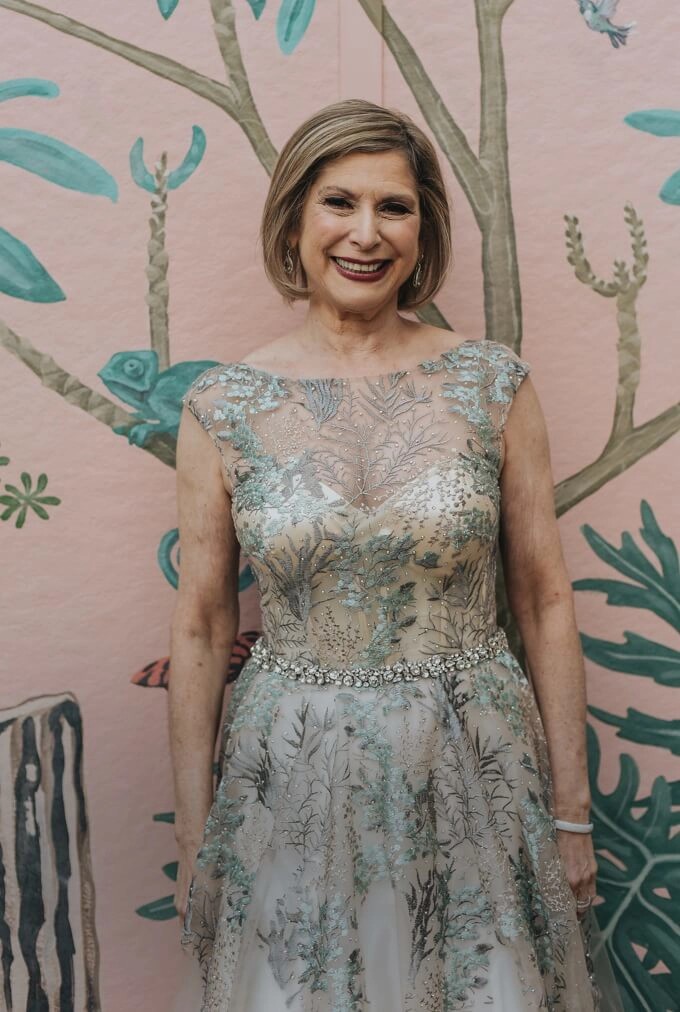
(386, 850)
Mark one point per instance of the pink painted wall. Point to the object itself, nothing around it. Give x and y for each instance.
(83, 601)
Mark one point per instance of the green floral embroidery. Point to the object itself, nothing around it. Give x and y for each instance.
(494, 691)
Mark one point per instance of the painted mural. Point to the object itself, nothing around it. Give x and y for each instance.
(49, 872)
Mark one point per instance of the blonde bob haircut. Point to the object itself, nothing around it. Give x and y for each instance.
(341, 129)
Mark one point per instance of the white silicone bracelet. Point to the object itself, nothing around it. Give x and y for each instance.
(573, 827)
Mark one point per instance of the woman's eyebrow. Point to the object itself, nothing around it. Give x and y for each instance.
(405, 198)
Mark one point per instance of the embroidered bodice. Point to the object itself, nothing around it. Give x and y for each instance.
(368, 508)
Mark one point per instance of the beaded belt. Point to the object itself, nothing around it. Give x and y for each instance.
(398, 671)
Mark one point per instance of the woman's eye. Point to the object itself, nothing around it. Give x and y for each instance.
(391, 208)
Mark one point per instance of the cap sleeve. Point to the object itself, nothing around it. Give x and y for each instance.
(507, 372)
(200, 396)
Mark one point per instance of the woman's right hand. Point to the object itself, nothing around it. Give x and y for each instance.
(185, 872)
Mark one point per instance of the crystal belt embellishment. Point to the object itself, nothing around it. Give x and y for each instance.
(398, 671)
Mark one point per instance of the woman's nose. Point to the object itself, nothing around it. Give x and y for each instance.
(365, 228)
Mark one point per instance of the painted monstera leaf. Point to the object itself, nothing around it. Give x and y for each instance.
(656, 588)
(639, 882)
(651, 585)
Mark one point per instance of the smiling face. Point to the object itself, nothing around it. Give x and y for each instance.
(358, 238)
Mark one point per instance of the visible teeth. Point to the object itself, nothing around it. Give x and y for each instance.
(359, 268)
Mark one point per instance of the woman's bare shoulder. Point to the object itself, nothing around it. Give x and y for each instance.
(274, 355)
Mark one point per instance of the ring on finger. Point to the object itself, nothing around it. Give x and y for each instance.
(584, 904)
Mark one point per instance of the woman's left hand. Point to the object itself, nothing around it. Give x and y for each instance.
(580, 865)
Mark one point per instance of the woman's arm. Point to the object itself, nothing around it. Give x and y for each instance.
(542, 601)
(203, 628)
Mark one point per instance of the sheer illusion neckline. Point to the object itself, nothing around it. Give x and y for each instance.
(447, 353)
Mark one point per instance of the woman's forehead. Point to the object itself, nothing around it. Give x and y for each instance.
(383, 169)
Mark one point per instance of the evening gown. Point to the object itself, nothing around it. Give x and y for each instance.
(381, 836)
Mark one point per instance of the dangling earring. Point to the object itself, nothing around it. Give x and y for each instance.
(288, 264)
(418, 275)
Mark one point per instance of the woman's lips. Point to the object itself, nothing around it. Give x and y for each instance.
(364, 276)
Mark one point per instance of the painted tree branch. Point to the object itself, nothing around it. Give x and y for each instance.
(235, 98)
(246, 113)
(485, 179)
(157, 269)
(473, 178)
(75, 392)
(617, 458)
(625, 290)
(626, 443)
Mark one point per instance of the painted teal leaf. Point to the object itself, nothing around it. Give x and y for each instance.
(145, 179)
(165, 817)
(23, 276)
(245, 578)
(171, 870)
(660, 122)
(55, 161)
(24, 87)
(138, 170)
(642, 729)
(167, 7)
(662, 546)
(624, 595)
(192, 159)
(651, 589)
(670, 191)
(674, 787)
(158, 910)
(292, 21)
(636, 855)
(257, 6)
(636, 656)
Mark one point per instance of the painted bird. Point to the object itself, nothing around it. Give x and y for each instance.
(598, 17)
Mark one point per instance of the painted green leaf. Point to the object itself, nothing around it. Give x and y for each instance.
(670, 191)
(292, 21)
(662, 546)
(171, 870)
(146, 180)
(639, 882)
(22, 275)
(658, 591)
(159, 910)
(165, 817)
(642, 729)
(674, 787)
(191, 160)
(660, 122)
(138, 170)
(22, 499)
(257, 6)
(636, 656)
(55, 161)
(167, 7)
(23, 87)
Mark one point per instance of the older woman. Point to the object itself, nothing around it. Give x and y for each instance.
(402, 822)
